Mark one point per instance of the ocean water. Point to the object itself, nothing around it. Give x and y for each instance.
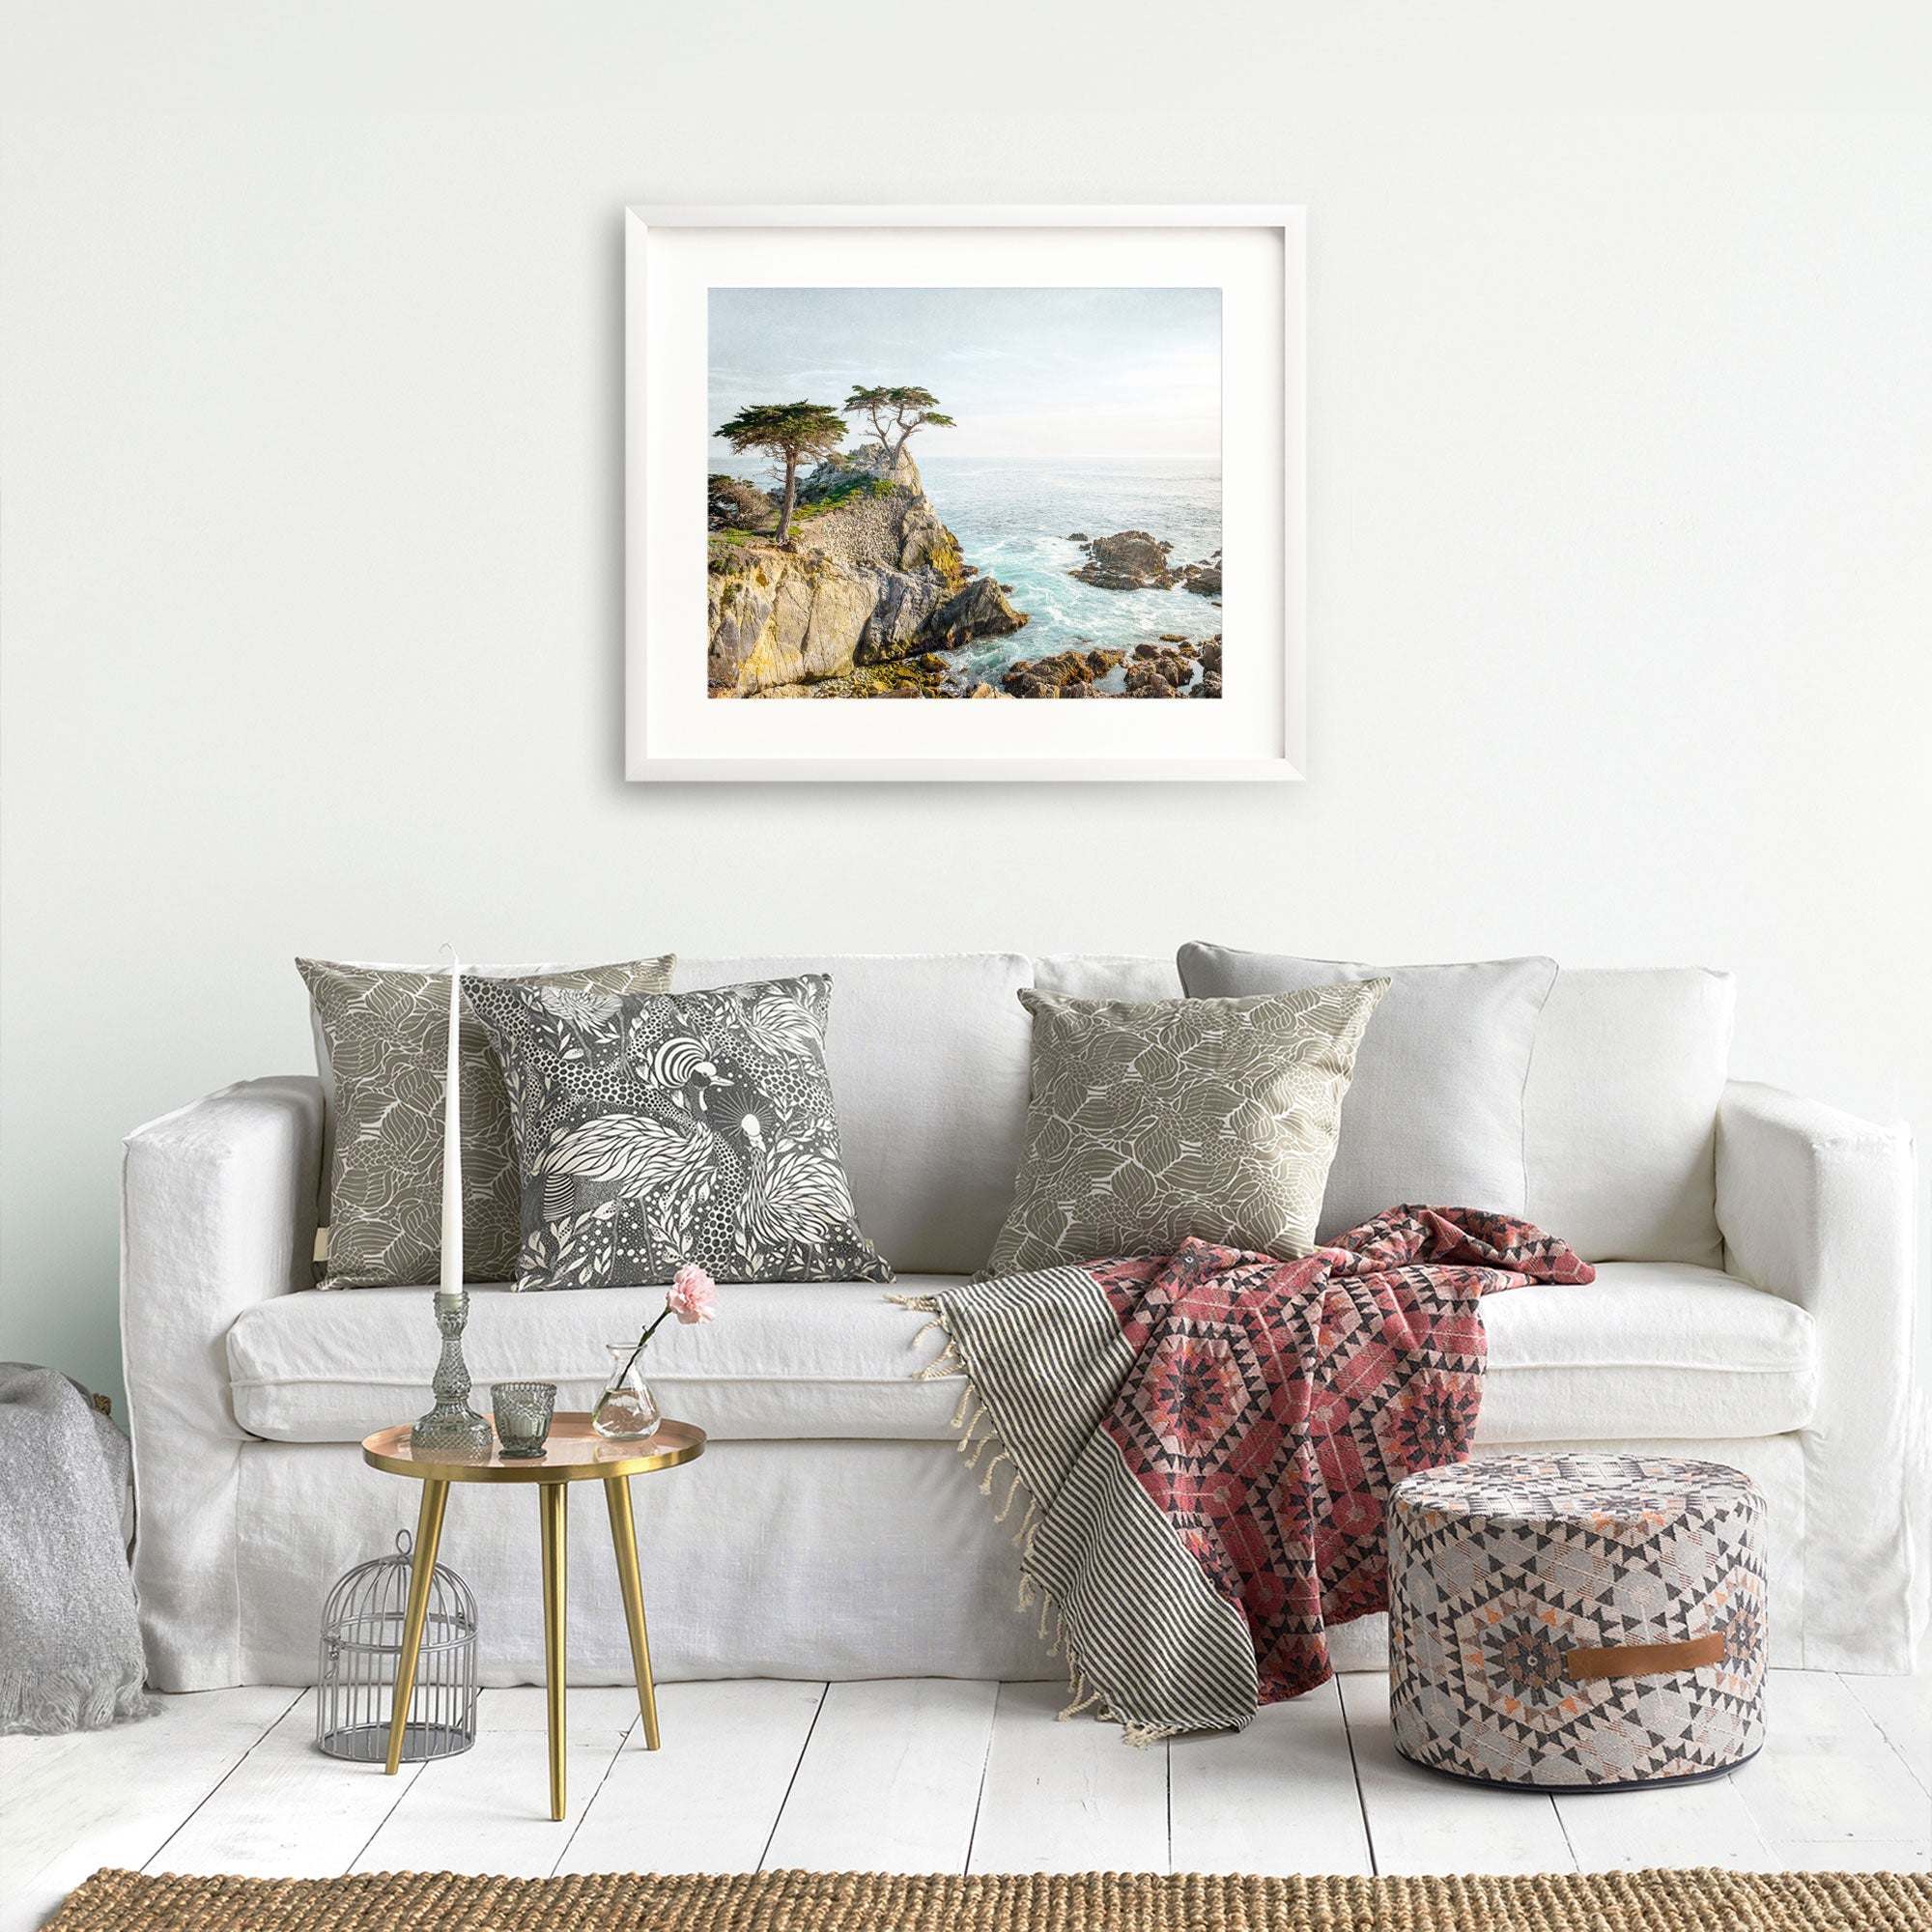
(1011, 517)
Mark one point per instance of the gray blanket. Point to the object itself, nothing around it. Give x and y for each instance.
(69, 1645)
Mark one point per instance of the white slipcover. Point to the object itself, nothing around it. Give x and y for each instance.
(760, 1559)
(867, 1552)
(1816, 1207)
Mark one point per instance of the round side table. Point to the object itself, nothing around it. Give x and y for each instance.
(575, 1453)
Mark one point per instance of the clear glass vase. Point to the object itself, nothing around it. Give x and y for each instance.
(627, 1408)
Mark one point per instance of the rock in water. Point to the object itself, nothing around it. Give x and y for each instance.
(1064, 675)
(1203, 579)
(1159, 671)
(1127, 560)
(980, 610)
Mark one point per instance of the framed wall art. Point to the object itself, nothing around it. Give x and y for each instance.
(964, 492)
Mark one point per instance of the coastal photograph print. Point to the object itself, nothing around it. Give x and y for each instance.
(905, 484)
(993, 494)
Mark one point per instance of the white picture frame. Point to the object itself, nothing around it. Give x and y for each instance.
(675, 255)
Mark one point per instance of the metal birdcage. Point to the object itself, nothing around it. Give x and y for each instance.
(361, 1644)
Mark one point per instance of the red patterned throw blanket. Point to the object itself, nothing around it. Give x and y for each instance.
(1205, 1443)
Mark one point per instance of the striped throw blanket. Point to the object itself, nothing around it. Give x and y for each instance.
(1204, 1443)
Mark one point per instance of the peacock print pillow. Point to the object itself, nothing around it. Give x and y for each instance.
(653, 1129)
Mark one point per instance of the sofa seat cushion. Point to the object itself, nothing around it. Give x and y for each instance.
(1649, 1350)
(781, 1359)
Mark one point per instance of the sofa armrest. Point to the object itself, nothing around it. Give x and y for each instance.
(217, 1211)
(1816, 1206)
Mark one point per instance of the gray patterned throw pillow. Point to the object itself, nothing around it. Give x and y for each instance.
(386, 1032)
(694, 1126)
(1149, 1122)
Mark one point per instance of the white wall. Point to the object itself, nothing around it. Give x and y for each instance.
(1619, 533)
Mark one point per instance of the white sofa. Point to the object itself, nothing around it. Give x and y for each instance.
(1752, 1305)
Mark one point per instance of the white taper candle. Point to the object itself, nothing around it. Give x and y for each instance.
(452, 1142)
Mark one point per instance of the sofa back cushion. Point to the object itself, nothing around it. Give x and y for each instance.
(1106, 976)
(1621, 1110)
(927, 1055)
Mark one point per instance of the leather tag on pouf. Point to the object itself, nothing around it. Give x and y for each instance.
(1644, 1659)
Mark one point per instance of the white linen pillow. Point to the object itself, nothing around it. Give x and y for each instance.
(1435, 1113)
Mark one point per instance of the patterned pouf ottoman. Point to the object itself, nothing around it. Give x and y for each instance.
(1588, 1622)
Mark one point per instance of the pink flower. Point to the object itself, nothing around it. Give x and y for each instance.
(694, 1294)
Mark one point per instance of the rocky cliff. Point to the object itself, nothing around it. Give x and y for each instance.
(872, 577)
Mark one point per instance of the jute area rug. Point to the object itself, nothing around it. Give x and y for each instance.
(788, 1901)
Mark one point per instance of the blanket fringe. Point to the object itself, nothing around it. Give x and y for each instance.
(1023, 1536)
(947, 1363)
(1004, 1510)
(978, 1432)
(943, 1366)
(1083, 1696)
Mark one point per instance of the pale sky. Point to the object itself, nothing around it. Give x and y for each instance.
(1026, 372)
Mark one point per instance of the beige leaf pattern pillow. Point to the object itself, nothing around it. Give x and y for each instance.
(386, 1034)
(1152, 1122)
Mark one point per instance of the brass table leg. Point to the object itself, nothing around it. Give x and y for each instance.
(624, 1538)
(422, 1570)
(554, 1502)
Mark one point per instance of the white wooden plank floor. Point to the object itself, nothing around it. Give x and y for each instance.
(928, 1775)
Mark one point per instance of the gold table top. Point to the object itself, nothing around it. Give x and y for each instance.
(575, 1453)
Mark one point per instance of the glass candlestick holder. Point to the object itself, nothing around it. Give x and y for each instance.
(452, 1430)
